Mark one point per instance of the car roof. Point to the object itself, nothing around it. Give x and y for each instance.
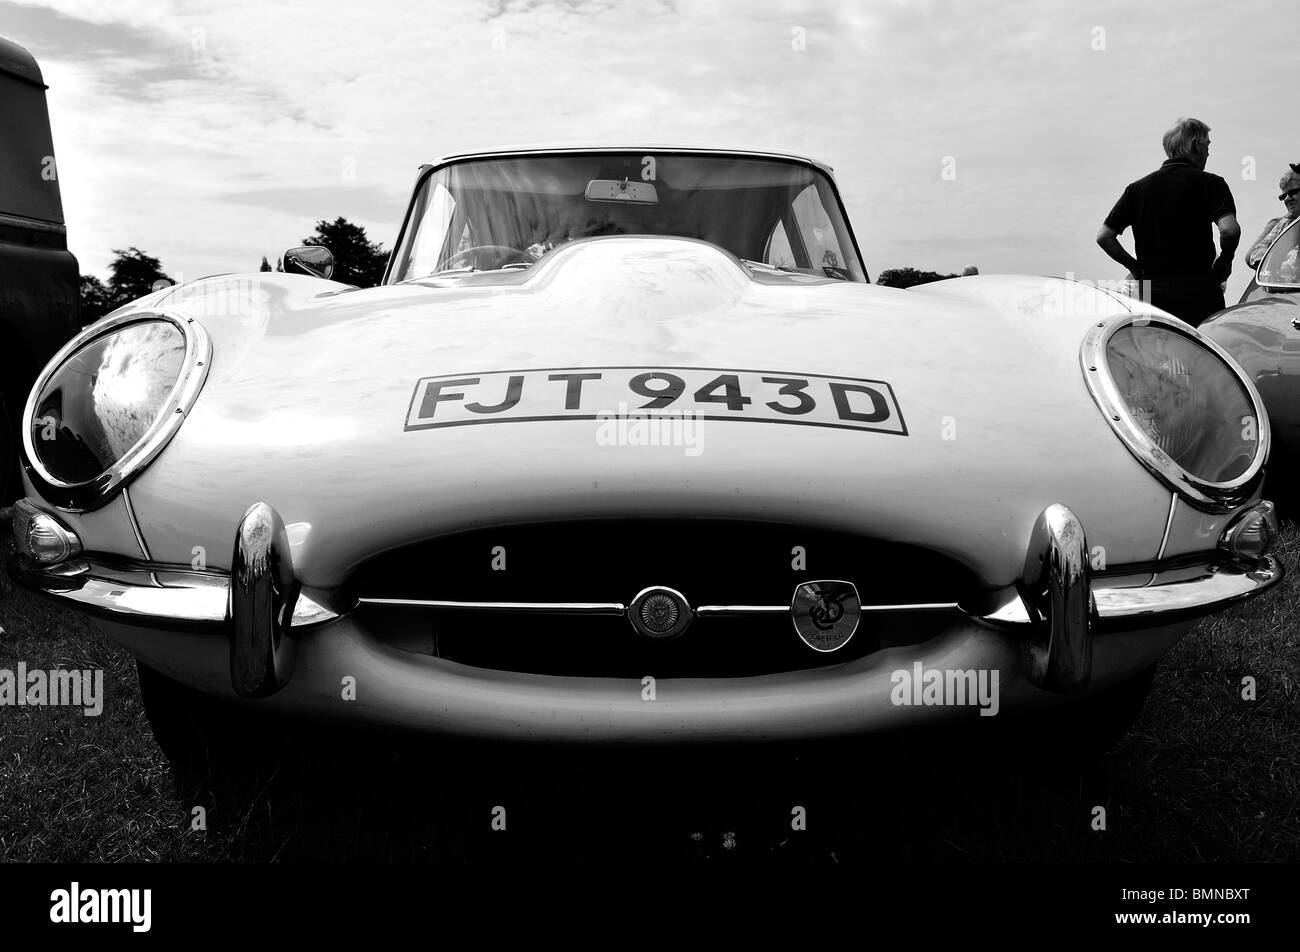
(643, 147)
(18, 63)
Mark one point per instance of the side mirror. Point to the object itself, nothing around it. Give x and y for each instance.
(313, 260)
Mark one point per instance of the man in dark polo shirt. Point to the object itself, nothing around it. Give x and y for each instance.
(1170, 212)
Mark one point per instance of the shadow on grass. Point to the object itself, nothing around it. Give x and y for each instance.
(915, 798)
(1207, 774)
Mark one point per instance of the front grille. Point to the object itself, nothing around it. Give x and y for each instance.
(709, 562)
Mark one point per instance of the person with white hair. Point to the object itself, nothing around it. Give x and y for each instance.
(1290, 197)
(1170, 212)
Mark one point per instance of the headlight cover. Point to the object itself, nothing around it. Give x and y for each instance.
(108, 403)
(1180, 405)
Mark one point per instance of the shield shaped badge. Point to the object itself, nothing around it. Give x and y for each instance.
(826, 613)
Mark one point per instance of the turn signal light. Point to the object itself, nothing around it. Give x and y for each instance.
(40, 536)
(1252, 533)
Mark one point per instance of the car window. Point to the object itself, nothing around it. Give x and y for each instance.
(500, 212)
(1280, 267)
(436, 207)
(779, 253)
(817, 232)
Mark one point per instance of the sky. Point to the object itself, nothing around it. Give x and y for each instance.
(211, 132)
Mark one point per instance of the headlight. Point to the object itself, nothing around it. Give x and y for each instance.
(1180, 405)
(108, 403)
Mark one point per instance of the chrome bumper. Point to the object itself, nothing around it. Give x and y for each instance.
(165, 597)
(151, 596)
(1053, 617)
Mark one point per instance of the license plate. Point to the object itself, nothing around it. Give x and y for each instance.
(708, 393)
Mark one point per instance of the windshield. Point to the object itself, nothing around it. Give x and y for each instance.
(503, 213)
(1279, 267)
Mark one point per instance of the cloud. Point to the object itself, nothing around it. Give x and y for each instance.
(142, 14)
(210, 132)
(353, 202)
(130, 61)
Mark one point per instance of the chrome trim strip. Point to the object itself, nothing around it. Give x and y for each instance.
(543, 608)
(151, 596)
(1011, 614)
(91, 494)
(171, 597)
(307, 612)
(706, 610)
(1212, 497)
(201, 602)
(776, 609)
(1177, 592)
(1210, 588)
(918, 607)
(647, 148)
(135, 524)
(615, 608)
(1169, 524)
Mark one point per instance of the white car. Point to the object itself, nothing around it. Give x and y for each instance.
(626, 447)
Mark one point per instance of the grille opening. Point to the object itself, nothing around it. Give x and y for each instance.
(709, 562)
(607, 647)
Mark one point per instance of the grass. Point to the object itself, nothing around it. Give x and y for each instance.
(1204, 776)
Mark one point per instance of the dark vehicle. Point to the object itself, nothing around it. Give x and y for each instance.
(1262, 332)
(39, 300)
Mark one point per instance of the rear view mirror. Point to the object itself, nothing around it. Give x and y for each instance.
(611, 190)
(313, 260)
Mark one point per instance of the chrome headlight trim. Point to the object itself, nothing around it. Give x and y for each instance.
(1209, 496)
(93, 493)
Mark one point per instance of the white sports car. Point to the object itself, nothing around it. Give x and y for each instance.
(626, 446)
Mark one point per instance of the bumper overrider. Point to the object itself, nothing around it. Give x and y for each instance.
(256, 634)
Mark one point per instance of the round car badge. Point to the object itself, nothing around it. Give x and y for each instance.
(826, 613)
(659, 612)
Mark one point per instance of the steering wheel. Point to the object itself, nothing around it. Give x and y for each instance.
(488, 257)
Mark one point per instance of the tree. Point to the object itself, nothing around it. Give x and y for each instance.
(357, 260)
(133, 274)
(95, 299)
(908, 277)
